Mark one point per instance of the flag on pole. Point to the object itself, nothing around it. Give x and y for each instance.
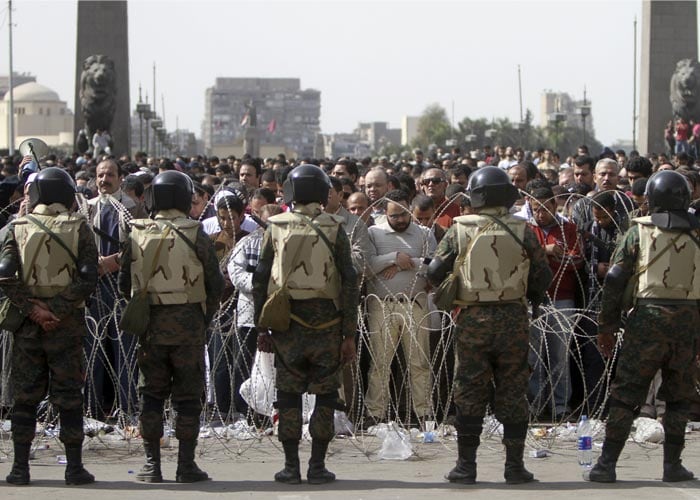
(272, 126)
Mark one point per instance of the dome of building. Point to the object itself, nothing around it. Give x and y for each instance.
(32, 91)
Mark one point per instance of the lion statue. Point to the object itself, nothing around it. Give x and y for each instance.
(685, 90)
(98, 93)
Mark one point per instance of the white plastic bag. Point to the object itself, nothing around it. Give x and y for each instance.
(396, 444)
(259, 390)
(648, 431)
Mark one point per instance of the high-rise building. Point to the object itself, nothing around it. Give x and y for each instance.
(561, 106)
(409, 129)
(287, 117)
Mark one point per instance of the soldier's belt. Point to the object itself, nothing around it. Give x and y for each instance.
(461, 303)
(322, 326)
(666, 302)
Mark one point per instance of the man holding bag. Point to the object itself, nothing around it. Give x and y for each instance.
(306, 269)
(172, 261)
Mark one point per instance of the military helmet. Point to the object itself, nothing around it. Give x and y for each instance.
(306, 184)
(171, 189)
(491, 187)
(52, 185)
(666, 191)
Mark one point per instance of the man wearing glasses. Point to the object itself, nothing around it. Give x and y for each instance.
(434, 184)
(397, 306)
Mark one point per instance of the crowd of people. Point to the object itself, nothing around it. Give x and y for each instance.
(396, 213)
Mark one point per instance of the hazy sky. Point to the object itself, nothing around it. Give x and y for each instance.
(371, 60)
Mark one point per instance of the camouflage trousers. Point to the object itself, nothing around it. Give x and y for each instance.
(307, 361)
(176, 372)
(491, 344)
(656, 338)
(52, 363)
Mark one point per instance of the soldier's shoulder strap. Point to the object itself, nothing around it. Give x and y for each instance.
(53, 236)
(325, 239)
(188, 241)
(510, 231)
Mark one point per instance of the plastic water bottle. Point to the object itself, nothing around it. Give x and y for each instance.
(583, 434)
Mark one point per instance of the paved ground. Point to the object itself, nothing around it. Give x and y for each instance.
(244, 469)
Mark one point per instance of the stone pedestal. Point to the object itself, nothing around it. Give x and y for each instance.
(103, 29)
(251, 142)
(669, 34)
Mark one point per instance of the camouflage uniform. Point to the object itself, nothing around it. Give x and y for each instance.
(492, 336)
(492, 341)
(307, 357)
(51, 361)
(171, 353)
(659, 334)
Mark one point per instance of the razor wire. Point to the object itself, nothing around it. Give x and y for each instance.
(115, 425)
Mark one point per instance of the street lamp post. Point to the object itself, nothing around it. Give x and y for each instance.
(156, 123)
(143, 109)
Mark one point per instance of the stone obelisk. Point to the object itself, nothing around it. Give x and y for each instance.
(103, 29)
(669, 34)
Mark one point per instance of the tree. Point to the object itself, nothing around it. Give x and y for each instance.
(433, 127)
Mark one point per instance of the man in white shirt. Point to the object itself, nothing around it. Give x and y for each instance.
(397, 306)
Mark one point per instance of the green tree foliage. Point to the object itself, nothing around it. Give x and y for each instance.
(433, 127)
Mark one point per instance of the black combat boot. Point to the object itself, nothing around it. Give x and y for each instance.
(515, 471)
(604, 469)
(673, 469)
(465, 471)
(291, 473)
(150, 472)
(317, 473)
(187, 470)
(19, 474)
(75, 472)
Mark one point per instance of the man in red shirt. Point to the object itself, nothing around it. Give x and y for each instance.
(551, 334)
(434, 184)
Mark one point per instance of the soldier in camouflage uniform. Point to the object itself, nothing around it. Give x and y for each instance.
(318, 274)
(500, 264)
(48, 276)
(175, 261)
(659, 257)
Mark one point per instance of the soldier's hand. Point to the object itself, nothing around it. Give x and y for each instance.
(40, 314)
(606, 343)
(348, 351)
(48, 326)
(264, 342)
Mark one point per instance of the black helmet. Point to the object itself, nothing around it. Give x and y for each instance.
(491, 187)
(171, 189)
(52, 185)
(306, 184)
(666, 191)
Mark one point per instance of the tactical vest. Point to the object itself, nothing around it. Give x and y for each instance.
(494, 266)
(673, 273)
(302, 258)
(178, 275)
(46, 266)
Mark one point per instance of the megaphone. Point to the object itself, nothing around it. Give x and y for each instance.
(36, 148)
